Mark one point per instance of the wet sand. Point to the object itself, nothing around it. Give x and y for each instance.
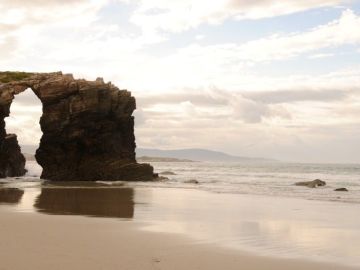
(30, 241)
(154, 228)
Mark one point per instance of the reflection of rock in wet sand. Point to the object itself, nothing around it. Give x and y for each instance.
(100, 202)
(10, 195)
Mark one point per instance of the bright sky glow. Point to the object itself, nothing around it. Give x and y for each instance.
(264, 78)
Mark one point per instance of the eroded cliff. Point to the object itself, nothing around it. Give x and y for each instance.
(88, 129)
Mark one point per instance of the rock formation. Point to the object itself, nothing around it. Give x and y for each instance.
(192, 181)
(341, 189)
(312, 184)
(88, 129)
(12, 162)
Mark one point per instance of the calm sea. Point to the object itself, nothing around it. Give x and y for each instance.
(272, 179)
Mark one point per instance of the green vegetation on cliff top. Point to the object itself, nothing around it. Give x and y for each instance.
(9, 76)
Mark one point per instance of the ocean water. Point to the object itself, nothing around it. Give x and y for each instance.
(270, 179)
(273, 179)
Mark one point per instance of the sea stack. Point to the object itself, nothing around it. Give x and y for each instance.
(88, 129)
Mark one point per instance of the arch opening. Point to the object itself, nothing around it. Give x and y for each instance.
(24, 121)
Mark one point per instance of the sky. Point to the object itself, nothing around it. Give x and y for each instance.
(262, 78)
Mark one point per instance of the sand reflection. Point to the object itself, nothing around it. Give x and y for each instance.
(87, 201)
(292, 228)
(10, 195)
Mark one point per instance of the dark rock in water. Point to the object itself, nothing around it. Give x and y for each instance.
(158, 177)
(312, 184)
(341, 189)
(168, 173)
(88, 129)
(192, 181)
(12, 162)
(162, 178)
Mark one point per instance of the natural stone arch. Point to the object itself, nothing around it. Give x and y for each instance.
(88, 129)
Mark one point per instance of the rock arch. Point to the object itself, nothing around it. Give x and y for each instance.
(88, 129)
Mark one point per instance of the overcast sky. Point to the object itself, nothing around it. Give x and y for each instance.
(264, 78)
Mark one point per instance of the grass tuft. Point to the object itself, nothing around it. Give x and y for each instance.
(9, 76)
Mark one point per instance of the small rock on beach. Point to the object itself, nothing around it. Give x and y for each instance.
(341, 189)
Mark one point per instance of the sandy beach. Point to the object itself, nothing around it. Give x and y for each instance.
(159, 228)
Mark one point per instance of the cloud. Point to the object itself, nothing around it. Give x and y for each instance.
(269, 8)
(195, 96)
(321, 55)
(288, 96)
(7, 46)
(38, 3)
(277, 47)
(140, 117)
(243, 106)
(26, 99)
(181, 15)
(234, 65)
(283, 138)
(17, 14)
(125, 56)
(248, 110)
(288, 124)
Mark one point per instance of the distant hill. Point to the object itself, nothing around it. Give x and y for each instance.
(161, 159)
(179, 155)
(197, 155)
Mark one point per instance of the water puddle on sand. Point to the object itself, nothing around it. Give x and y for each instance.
(98, 202)
(85, 199)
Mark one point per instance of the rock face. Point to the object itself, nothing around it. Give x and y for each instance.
(312, 184)
(88, 129)
(12, 162)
